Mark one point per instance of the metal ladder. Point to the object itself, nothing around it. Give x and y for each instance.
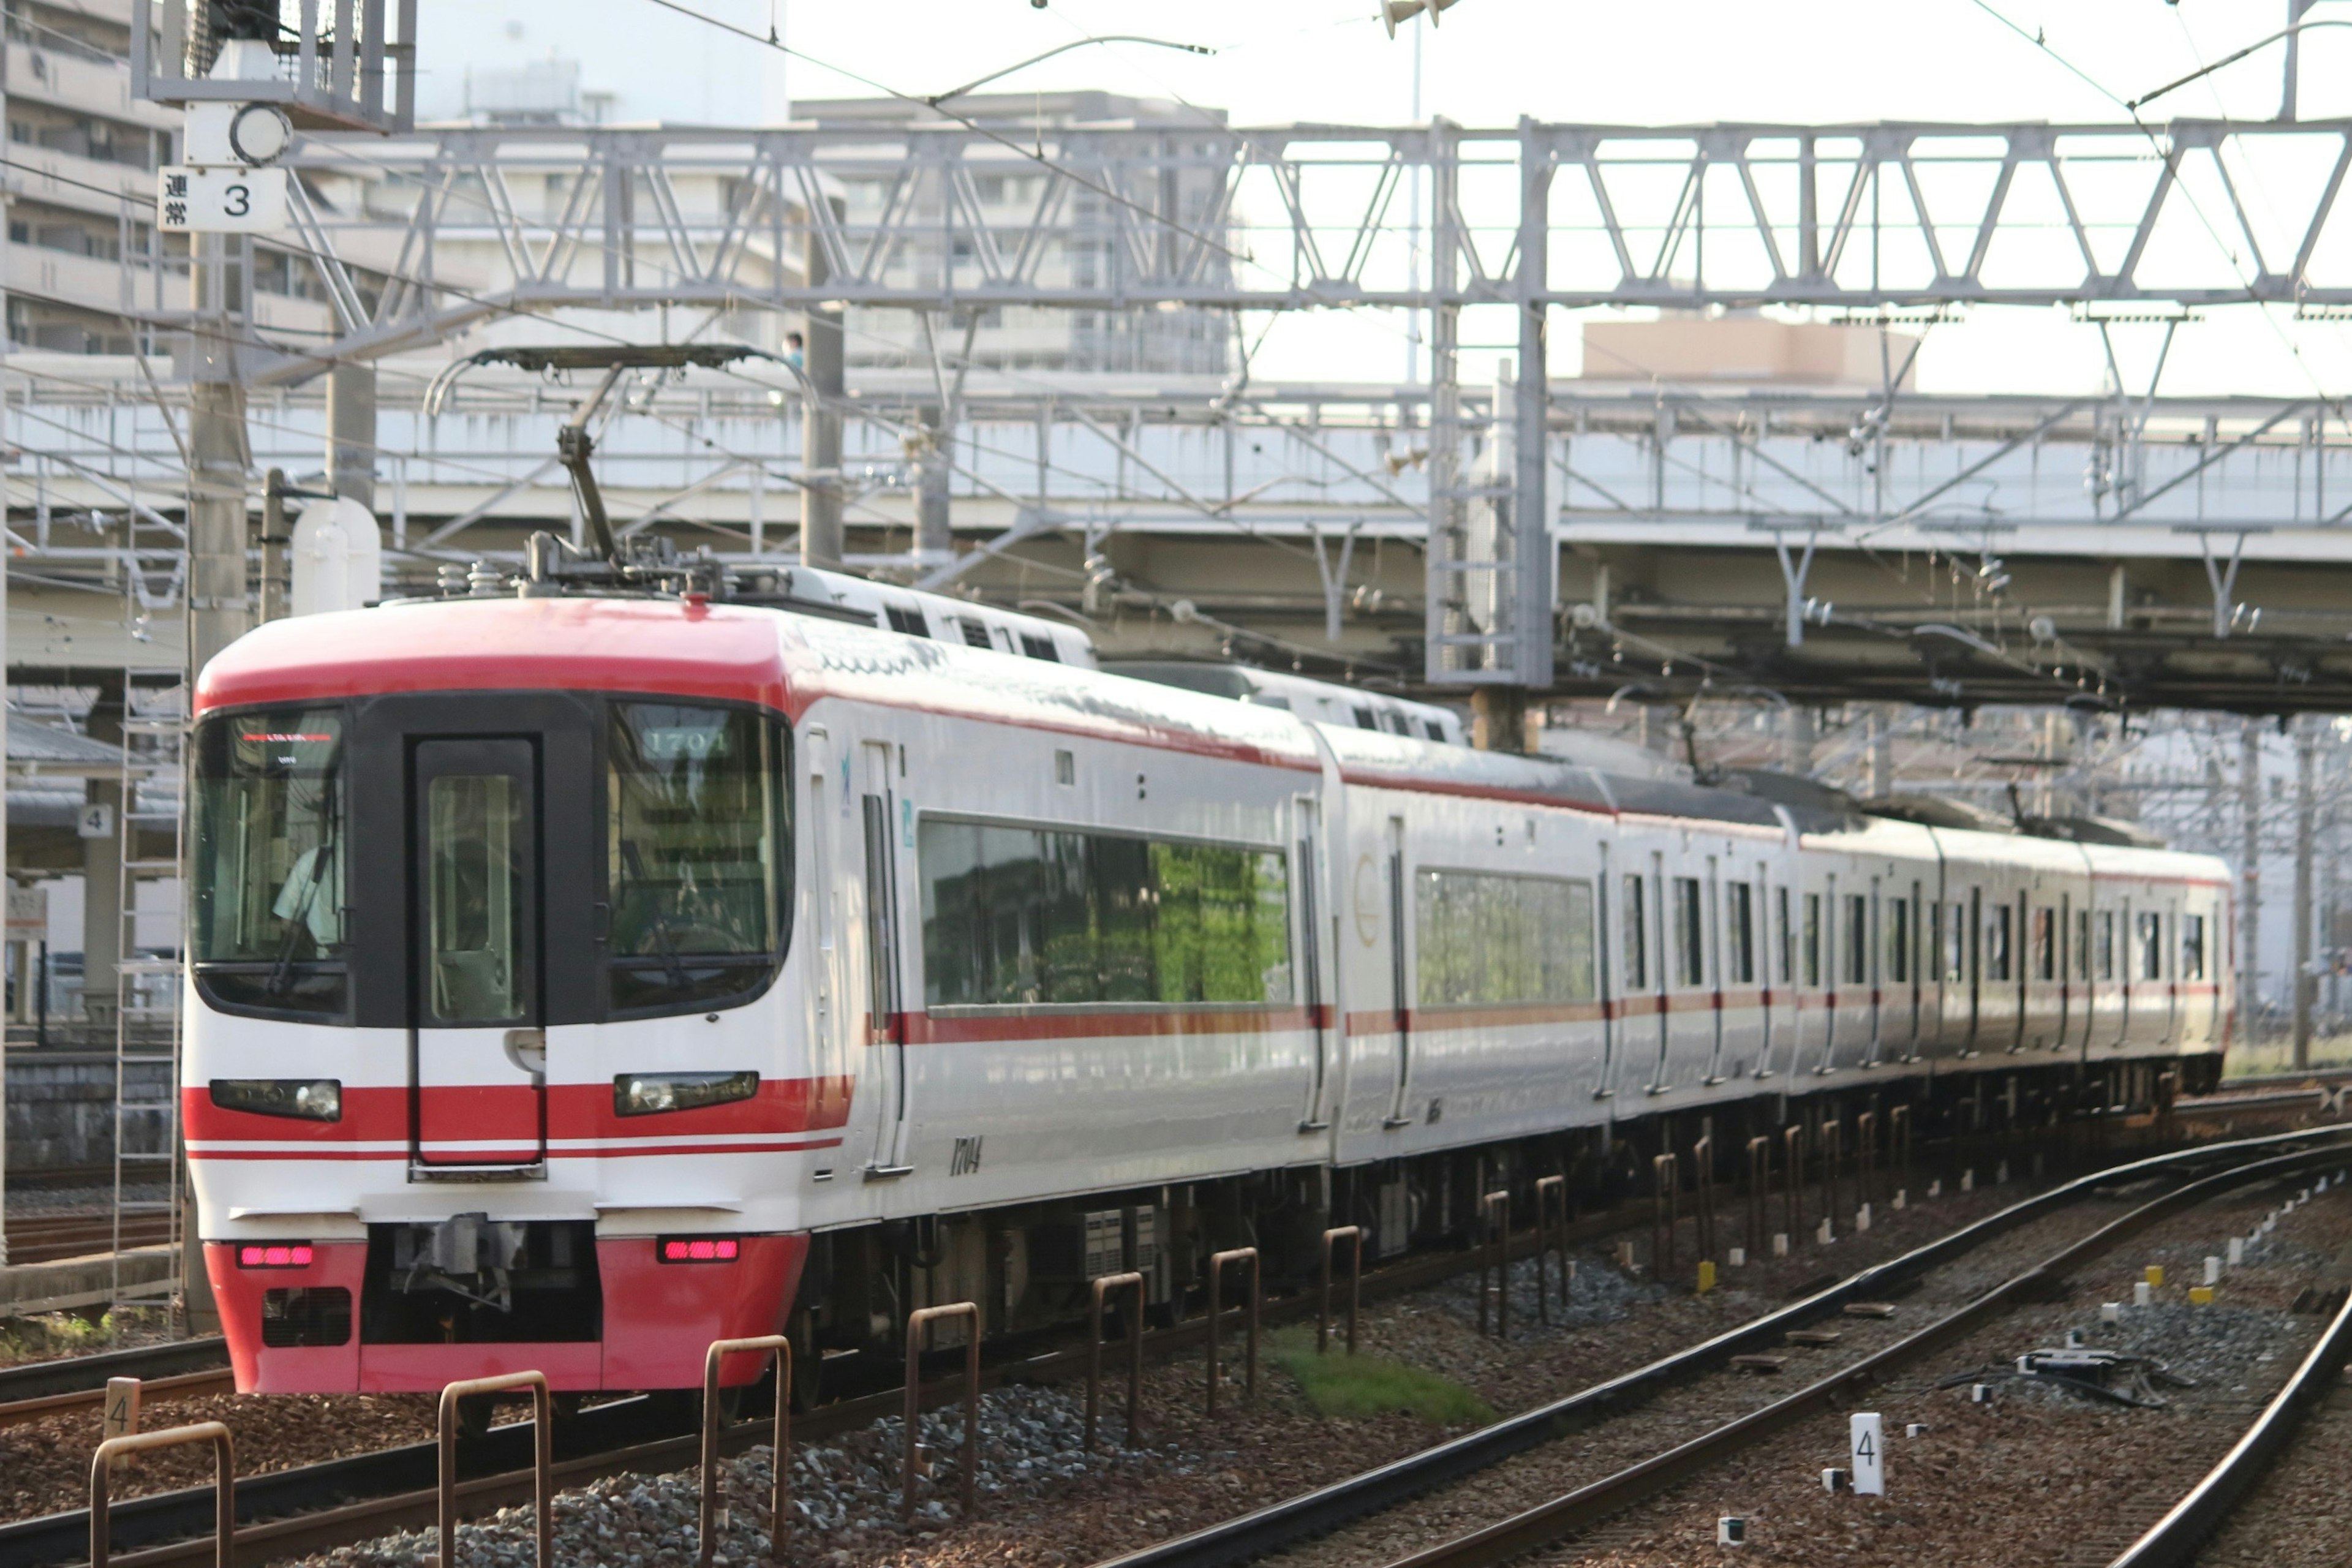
(147, 1023)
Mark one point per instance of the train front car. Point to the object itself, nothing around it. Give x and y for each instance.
(488, 1065)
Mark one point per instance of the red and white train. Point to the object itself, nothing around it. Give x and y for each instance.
(577, 979)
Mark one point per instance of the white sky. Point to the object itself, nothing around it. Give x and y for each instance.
(1491, 61)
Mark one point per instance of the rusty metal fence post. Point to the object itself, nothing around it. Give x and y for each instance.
(1830, 1141)
(1865, 1158)
(1103, 1286)
(917, 1320)
(1703, 1174)
(781, 1490)
(1217, 1310)
(1792, 1181)
(1551, 1198)
(1495, 1213)
(101, 1468)
(542, 1454)
(1353, 1233)
(1664, 1215)
(1760, 1193)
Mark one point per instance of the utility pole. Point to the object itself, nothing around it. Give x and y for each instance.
(2306, 748)
(351, 433)
(822, 542)
(1799, 732)
(2250, 878)
(934, 539)
(218, 608)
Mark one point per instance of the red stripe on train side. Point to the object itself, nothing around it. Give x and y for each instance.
(782, 1107)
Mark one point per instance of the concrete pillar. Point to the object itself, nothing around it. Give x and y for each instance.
(934, 541)
(821, 530)
(1881, 775)
(2307, 746)
(2249, 877)
(101, 872)
(219, 608)
(351, 433)
(1498, 718)
(1798, 731)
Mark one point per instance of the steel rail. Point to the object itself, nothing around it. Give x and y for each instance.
(72, 1375)
(308, 1507)
(1579, 1510)
(187, 1385)
(2173, 1541)
(1286, 1523)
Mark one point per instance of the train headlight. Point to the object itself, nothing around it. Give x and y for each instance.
(644, 1093)
(308, 1098)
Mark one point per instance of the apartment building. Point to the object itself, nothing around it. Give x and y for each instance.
(1090, 228)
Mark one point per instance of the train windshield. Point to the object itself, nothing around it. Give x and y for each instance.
(268, 861)
(699, 840)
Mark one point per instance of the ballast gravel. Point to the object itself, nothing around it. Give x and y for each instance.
(846, 1491)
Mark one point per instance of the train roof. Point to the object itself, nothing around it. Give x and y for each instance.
(1316, 701)
(753, 654)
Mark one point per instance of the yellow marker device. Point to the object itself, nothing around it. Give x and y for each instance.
(2155, 1275)
(2200, 1295)
(1705, 1274)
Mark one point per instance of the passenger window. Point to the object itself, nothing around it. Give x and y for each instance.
(1996, 939)
(476, 897)
(1956, 957)
(2106, 945)
(1690, 934)
(1740, 933)
(1637, 944)
(1898, 941)
(2151, 947)
(2192, 947)
(2082, 944)
(1494, 939)
(2045, 944)
(1015, 916)
(1812, 939)
(1857, 939)
(1788, 937)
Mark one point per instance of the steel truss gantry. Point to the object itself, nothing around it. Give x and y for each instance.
(967, 218)
(1110, 217)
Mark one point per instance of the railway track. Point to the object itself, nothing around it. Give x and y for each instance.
(1300, 1520)
(46, 1239)
(2308, 1400)
(309, 1507)
(313, 1507)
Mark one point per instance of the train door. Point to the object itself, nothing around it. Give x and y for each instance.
(884, 1035)
(823, 954)
(1400, 973)
(1878, 977)
(1306, 873)
(478, 1045)
(2196, 986)
(1616, 984)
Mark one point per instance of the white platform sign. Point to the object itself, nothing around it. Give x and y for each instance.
(220, 201)
(28, 914)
